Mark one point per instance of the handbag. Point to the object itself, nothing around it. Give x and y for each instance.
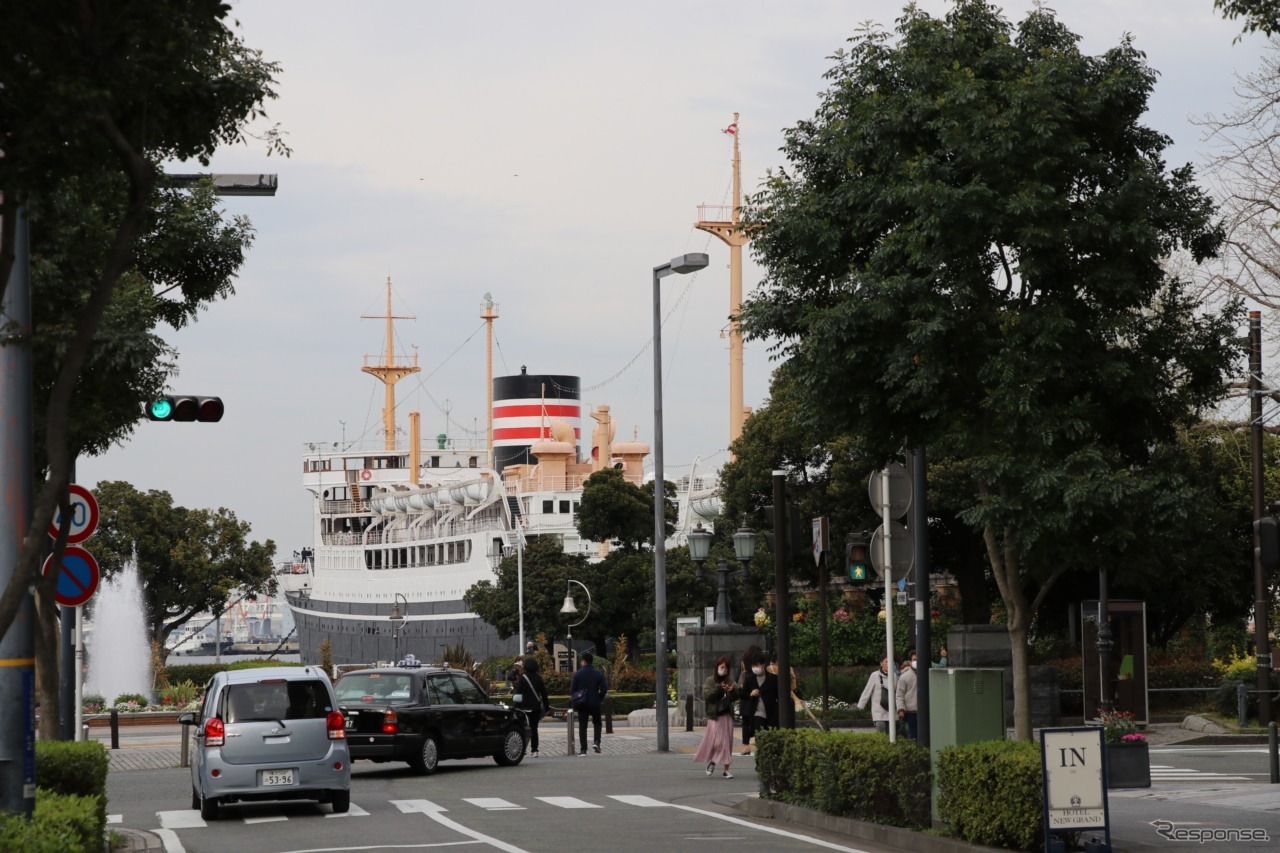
(884, 694)
(538, 711)
(579, 698)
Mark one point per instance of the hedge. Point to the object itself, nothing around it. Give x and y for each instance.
(77, 769)
(60, 823)
(861, 776)
(991, 793)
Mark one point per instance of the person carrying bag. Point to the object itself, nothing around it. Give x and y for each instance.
(876, 693)
(531, 699)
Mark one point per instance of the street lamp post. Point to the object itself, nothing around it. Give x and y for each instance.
(744, 547)
(683, 264)
(570, 607)
(397, 620)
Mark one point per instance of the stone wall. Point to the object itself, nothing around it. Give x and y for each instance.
(696, 654)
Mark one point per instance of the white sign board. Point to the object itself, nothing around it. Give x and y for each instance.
(819, 539)
(1075, 792)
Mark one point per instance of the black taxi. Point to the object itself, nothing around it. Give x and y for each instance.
(424, 715)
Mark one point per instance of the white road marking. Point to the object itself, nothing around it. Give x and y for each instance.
(170, 840)
(352, 811)
(638, 800)
(1168, 773)
(493, 804)
(569, 803)
(649, 802)
(268, 819)
(185, 819)
(417, 806)
(115, 818)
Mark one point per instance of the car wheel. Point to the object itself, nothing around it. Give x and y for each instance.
(512, 749)
(195, 798)
(341, 801)
(428, 758)
(209, 808)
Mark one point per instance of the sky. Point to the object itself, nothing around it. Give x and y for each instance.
(550, 154)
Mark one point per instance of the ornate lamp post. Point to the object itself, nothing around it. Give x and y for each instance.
(397, 620)
(744, 547)
(570, 607)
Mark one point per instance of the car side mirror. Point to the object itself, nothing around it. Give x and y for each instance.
(187, 719)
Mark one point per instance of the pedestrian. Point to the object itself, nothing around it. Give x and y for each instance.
(719, 692)
(531, 698)
(877, 694)
(530, 648)
(942, 657)
(758, 695)
(906, 695)
(587, 689)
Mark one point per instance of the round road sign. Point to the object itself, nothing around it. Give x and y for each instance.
(84, 516)
(899, 496)
(902, 550)
(78, 578)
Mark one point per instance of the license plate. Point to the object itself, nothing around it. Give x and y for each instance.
(351, 722)
(274, 778)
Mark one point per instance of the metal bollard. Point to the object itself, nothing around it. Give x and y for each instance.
(184, 758)
(1274, 755)
(1242, 705)
(115, 729)
(569, 718)
(608, 715)
(688, 713)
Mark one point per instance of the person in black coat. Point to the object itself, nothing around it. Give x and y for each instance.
(532, 698)
(759, 697)
(593, 686)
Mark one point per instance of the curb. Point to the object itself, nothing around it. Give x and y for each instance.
(136, 839)
(906, 839)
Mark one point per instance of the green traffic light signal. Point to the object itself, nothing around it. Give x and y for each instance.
(858, 572)
(160, 410)
(856, 552)
(184, 408)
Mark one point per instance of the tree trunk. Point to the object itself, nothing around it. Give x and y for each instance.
(1021, 676)
(47, 659)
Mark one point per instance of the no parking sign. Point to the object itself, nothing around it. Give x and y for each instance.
(77, 578)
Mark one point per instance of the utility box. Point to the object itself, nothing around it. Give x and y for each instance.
(965, 706)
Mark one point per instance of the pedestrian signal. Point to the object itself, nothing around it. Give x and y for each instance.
(857, 558)
(185, 408)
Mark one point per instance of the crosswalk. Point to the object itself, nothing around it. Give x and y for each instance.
(190, 818)
(1166, 773)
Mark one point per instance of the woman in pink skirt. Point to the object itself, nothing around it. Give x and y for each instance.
(719, 691)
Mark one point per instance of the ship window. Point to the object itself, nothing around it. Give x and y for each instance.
(527, 503)
(548, 507)
(564, 507)
(471, 463)
(435, 461)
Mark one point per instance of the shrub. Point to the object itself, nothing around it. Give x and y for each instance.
(93, 703)
(60, 823)
(77, 769)
(180, 695)
(991, 793)
(862, 776)
(130, 702)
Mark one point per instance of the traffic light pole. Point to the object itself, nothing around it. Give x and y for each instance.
(924, 638)
(1259, 575)
(17, 493)
(782, 605)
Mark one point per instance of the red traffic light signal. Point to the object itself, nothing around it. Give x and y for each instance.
(185, 408)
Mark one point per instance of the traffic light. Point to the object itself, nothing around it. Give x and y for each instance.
(1268, 550)
(858, 559)
(798, 540)
(184, 408)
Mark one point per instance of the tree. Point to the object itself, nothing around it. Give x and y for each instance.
(1259, 15)
(546, 569)
(88, 98)
(189, 560)
(966, 254)
(613, 509)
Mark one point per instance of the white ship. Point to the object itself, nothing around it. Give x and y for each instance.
(412, 525)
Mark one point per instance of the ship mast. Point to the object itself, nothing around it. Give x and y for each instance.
(489, 313)
(733, 235)
(392, 367)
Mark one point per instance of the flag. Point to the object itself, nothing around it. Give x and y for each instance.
(731, 129)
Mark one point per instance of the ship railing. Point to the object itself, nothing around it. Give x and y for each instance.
(378, 447)
(400, 536)
(568, 483)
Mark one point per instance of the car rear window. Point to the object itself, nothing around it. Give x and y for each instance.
(277, 700)
(382, 687)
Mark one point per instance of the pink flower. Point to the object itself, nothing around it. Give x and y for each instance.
(1134, 738)
(841, 615)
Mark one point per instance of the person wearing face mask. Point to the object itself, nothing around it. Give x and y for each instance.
(719, 692)
(877, 689)
(907, 695)
(755, 688)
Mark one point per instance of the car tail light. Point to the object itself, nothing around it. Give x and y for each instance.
(336, 725)
(214, 732)
(390, 725)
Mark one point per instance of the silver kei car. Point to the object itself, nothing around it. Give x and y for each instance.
(273, 733)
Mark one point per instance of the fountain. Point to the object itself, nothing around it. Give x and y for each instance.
(119, 656)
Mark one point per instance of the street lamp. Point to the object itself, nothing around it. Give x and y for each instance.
(744, 547)
(570, 607)
(397, 620)
(683, 264)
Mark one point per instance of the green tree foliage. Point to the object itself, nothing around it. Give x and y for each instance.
(1259, 15)
(966, 253)
(189, 560)
(613, 509)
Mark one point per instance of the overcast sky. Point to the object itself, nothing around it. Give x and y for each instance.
(549, 153)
